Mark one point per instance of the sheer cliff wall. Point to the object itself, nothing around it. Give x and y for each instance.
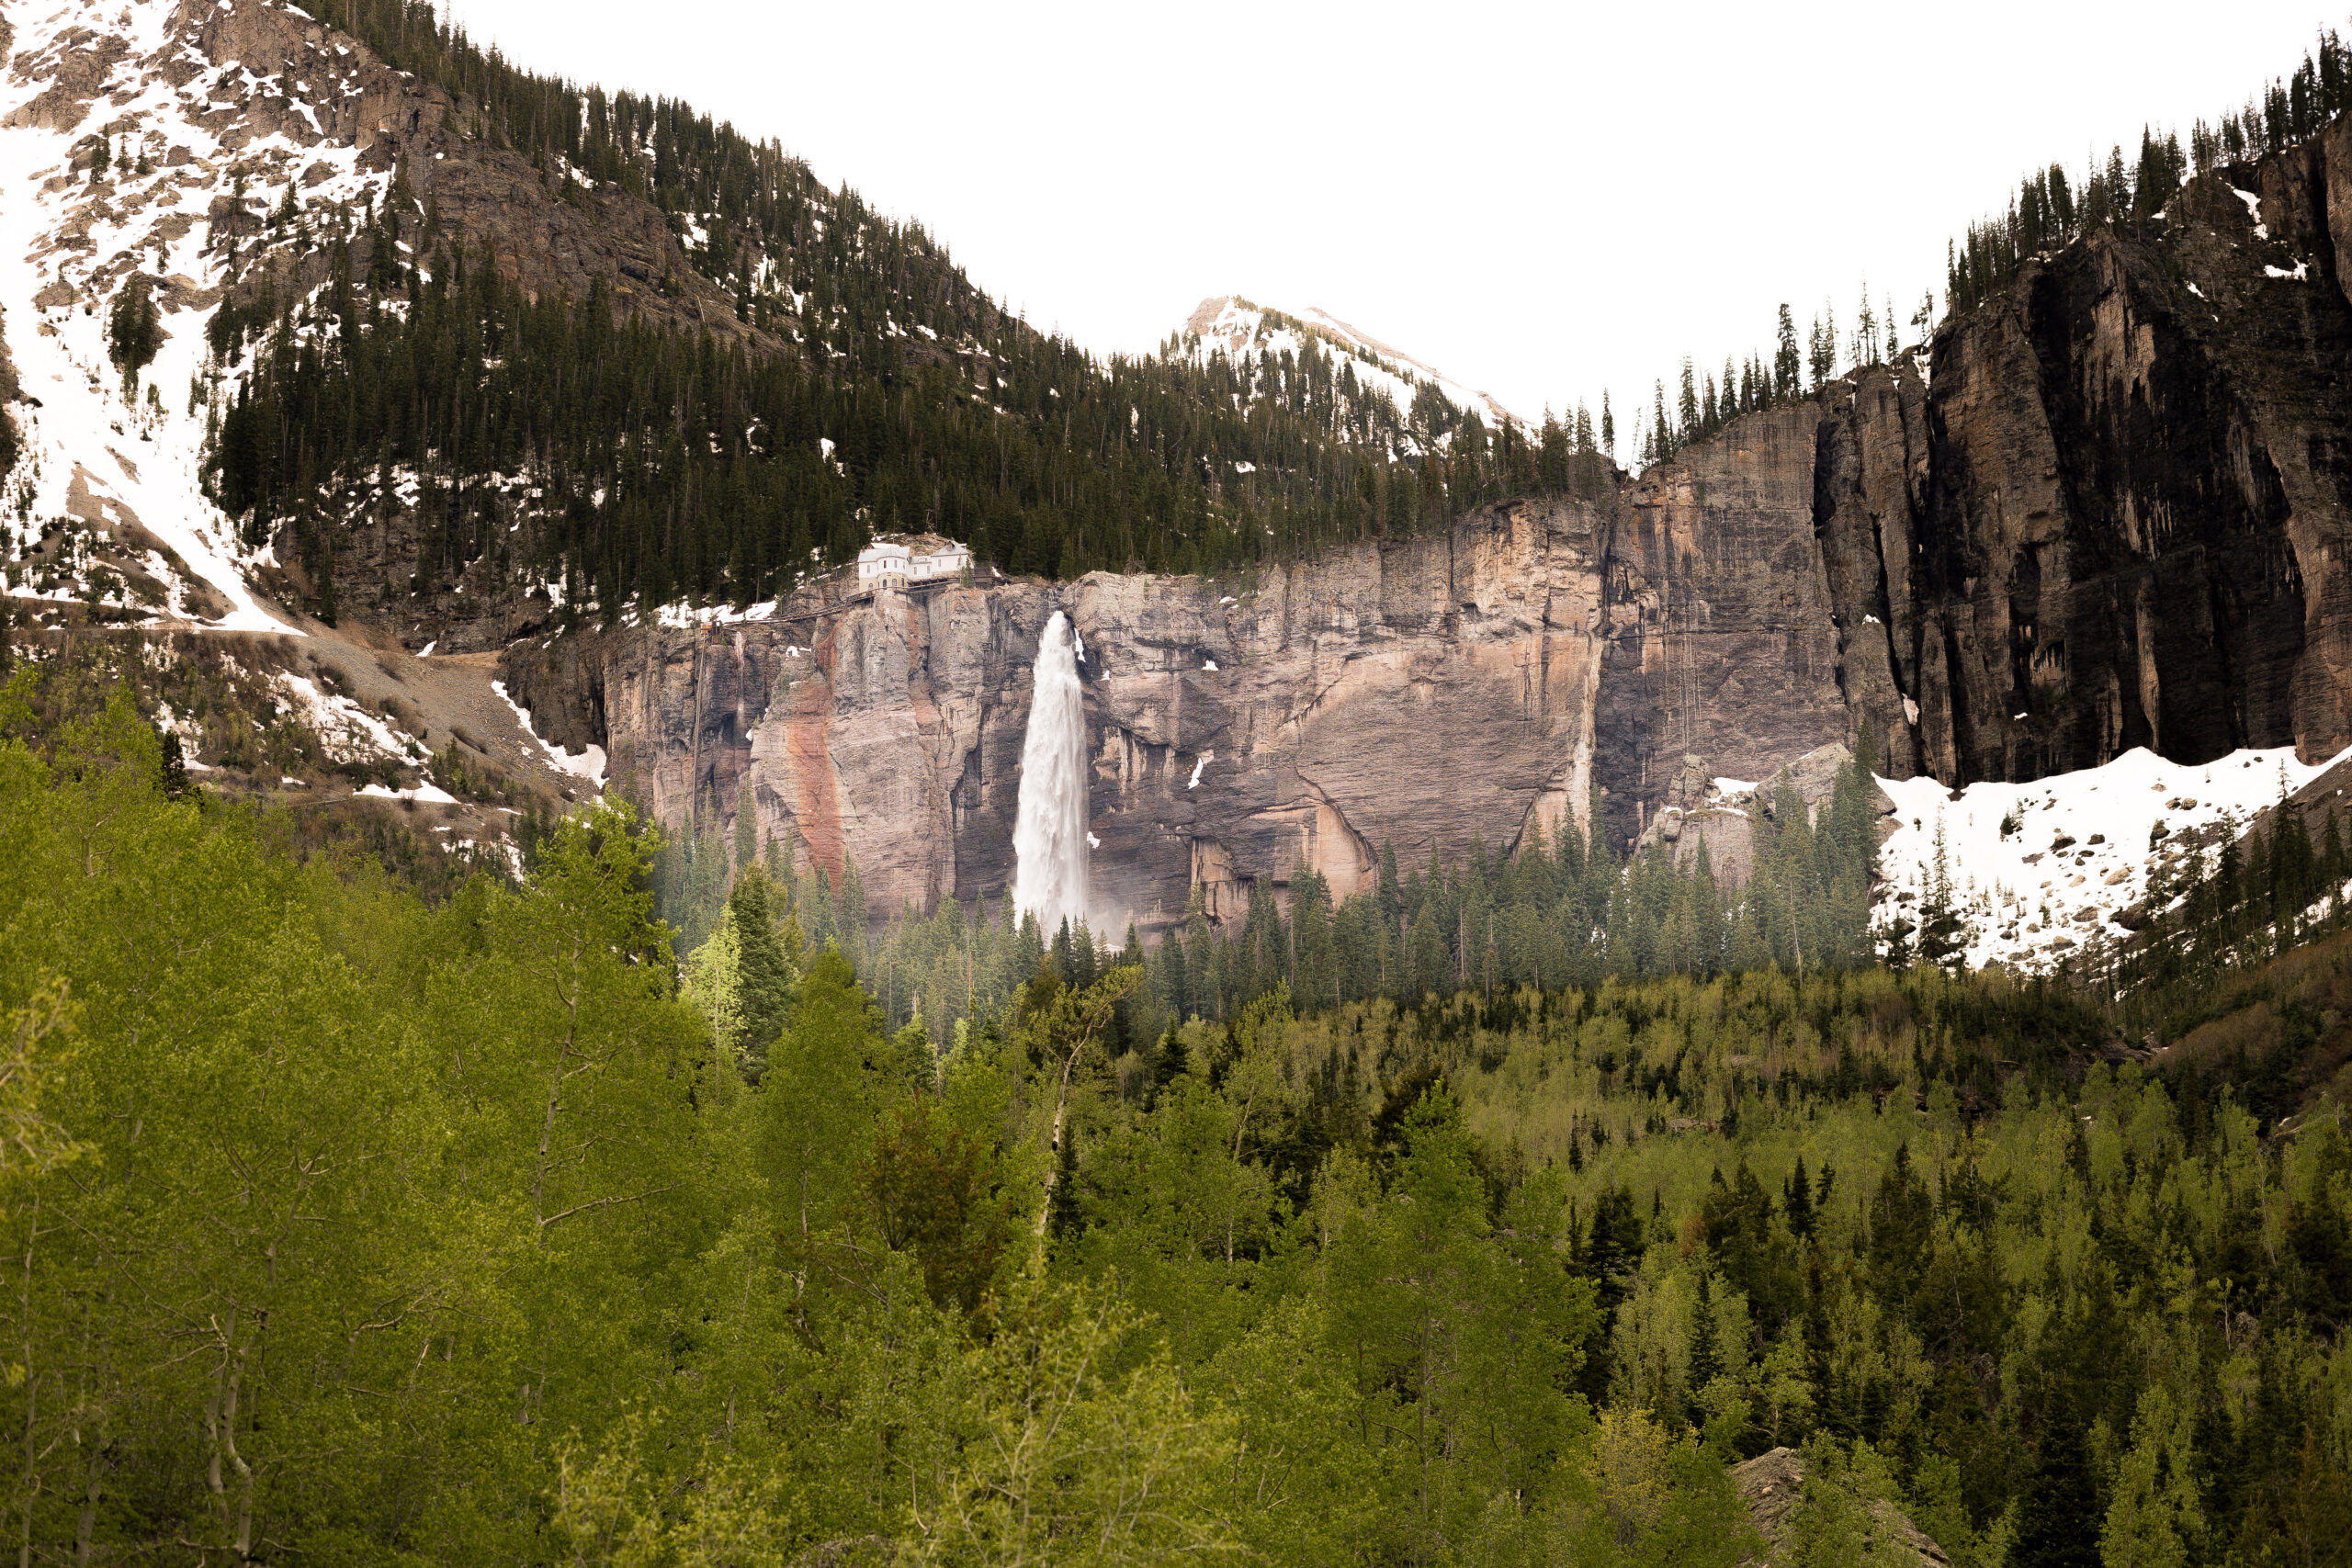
(2114, 515)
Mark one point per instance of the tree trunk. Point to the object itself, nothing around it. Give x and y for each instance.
(32, 1397)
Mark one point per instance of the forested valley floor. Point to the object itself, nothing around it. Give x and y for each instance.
(346, 1226)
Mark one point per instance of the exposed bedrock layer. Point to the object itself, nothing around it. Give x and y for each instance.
(1430, 693)
(2115, 516)
(2118, 519)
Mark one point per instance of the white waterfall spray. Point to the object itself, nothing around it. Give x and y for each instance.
(1049, 838)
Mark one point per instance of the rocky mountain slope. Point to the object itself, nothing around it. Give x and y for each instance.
(2102, 511)
(208, 150)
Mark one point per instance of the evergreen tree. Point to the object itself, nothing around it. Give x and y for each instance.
(1821, 354)
(768, 965)
(134, 330)
(2058, 1522)
(1786, 364)
(1943, 935)
(1706, 1362)
(1796, 1198)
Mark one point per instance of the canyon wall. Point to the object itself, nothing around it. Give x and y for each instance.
(2114, 515)
(1427, 693)
(2120, 518)
(1462, 687)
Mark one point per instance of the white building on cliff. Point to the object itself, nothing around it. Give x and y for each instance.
(899, 563)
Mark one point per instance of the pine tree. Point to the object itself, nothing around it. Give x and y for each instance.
(173, 757)
(852, 918)
(2058, 1523)
(134, 330)
(767, 969)
(1431, 966)
(1200, 951)
(1706, 1363)
(1943, 936)
(747, 833)
(1796, 1201)
(1821, 356)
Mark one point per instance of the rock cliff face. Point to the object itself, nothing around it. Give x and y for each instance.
(1726, 632)
(2114, 515)
(2118, 520)
(1427, 693)
(1430, 693)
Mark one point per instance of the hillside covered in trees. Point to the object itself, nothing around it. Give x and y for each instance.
(877, 389)
(345, 1225)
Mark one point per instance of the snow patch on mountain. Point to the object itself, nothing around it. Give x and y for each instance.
(346, 731)
(588, 765)
(2039, 871)
(103, 459)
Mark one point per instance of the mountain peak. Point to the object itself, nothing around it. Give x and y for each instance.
(1238, 325)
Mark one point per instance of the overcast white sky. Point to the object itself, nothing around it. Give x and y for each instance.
(1540, 199)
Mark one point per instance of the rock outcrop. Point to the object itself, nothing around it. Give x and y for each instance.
(546, 228)
(1772, 1485)
(2120, 518)
(1719, 818)
(1430, 693)
(1726, 635)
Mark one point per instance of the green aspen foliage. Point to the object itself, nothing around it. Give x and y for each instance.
(347, 1225)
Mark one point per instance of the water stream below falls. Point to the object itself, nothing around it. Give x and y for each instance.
(1049, 839)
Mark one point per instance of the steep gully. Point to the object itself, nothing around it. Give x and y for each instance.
(2114, 517)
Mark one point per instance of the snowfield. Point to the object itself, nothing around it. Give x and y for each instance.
(2038, 869)
(94, 453)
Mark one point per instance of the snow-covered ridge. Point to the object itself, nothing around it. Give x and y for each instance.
(104, 461)
(2039, 870)
(1234, 326)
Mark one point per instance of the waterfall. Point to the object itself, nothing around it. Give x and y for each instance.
(1049, 838)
